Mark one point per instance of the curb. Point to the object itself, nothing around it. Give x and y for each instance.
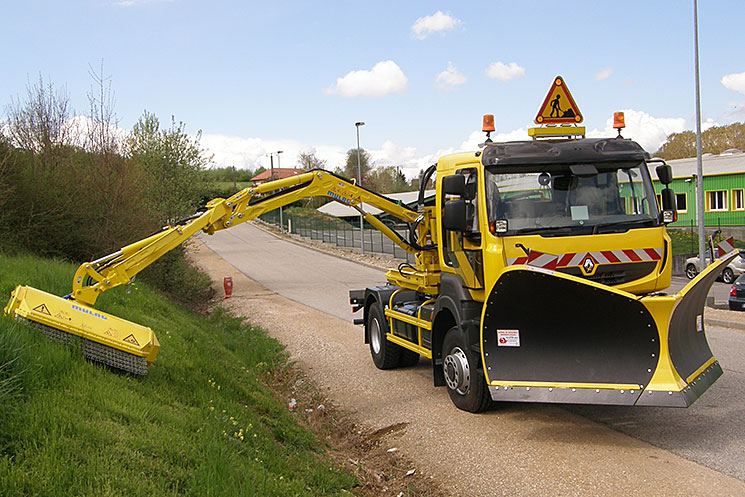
(724, 324)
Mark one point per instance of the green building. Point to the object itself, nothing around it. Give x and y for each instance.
(724, 192)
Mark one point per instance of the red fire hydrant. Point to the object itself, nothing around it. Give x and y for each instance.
(227, 283)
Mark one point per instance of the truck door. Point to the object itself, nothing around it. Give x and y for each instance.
(461, 245)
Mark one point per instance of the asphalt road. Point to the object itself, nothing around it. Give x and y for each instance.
(719, 290)
(710, 433)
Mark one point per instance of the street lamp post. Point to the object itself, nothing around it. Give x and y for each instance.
(359, 182)
(699, 161)
(281, 221)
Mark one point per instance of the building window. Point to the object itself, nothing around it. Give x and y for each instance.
(716, 200)
(738, 200)
(681, 200)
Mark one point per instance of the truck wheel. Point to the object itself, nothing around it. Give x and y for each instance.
(728, 276)
(691, 271)
(465, 381)
(385, 354)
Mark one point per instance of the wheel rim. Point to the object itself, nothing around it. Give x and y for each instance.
(691, 272)
(375, 339)
(457, 371)
(728, 276)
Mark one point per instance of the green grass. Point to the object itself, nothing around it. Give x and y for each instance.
(201, 422)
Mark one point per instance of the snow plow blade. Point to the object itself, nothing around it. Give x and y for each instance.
(552, 337)
(103, 337)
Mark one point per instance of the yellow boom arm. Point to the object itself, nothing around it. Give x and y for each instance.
(93, 278)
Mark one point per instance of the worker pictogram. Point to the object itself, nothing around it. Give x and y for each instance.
(42, 308)
(131, 339)
(558, 106)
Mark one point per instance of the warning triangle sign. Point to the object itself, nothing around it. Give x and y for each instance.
(42, 308)
(558, 106)
(131, 339)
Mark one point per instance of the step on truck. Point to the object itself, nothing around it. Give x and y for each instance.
(539, 274)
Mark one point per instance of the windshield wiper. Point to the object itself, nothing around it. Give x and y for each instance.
(547, 230)
(630, 223)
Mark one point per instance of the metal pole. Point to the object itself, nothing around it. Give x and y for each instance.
(699, 160)
(359, 182)
(281, 221)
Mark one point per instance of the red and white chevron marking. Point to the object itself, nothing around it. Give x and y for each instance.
(725, 247)
(550, 261)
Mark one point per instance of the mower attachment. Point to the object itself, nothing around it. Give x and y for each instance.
(552, 337)
(103, 337)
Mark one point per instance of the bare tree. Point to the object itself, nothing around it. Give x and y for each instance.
(101, 134)
(41, 124)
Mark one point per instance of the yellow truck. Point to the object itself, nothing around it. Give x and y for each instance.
(538, 276)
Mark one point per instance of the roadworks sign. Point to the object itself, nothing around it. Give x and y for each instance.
(558, 106)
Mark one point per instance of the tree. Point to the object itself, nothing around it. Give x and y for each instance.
(41, 124)
(714, 140)
(388, 180)
(113, 210)
(309, 161)
(350, 167)
(173, 160)
(45, 187)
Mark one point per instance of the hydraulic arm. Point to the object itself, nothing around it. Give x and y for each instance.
(129, 346)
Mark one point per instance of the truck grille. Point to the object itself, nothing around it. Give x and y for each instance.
(614, 274)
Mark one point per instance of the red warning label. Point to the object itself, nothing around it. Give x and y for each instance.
(508, 338)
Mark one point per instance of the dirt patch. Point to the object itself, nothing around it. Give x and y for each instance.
(372, 456)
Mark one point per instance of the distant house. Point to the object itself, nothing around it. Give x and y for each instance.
(279, 173)
(724, 191)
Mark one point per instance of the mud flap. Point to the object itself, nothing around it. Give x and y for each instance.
(552, 337)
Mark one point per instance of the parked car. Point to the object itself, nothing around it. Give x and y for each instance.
(737, 294)
(732, 271)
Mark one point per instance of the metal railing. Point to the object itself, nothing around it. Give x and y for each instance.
(341, 233)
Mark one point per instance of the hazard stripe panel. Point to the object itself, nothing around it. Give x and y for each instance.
(552, 261)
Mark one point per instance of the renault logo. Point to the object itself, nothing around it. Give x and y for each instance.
(588, 265)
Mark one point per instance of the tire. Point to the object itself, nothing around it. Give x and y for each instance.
(728, 276)
(385, 354)
(691, 271)
(464, 379)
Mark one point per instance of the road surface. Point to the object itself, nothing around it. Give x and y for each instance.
(300, 296)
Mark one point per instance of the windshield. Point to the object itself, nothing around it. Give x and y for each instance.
(558, 199)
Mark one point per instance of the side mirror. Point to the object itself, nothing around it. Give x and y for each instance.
(454, 185)
(665, 174)
(565, 183)
(454, 217)
(668, 200)
(669, 207)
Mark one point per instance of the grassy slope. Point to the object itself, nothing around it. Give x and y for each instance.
(200, 423)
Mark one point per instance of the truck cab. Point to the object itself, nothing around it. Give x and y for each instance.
(585, 208)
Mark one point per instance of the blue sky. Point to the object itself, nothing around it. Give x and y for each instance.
(257, 77)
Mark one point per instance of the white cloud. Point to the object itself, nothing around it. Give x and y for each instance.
(436, 23)
(450, 78)
(251, 153)
(502, 72)
(383, 79)
(735, 82)
(649, 131)
(604, 74)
